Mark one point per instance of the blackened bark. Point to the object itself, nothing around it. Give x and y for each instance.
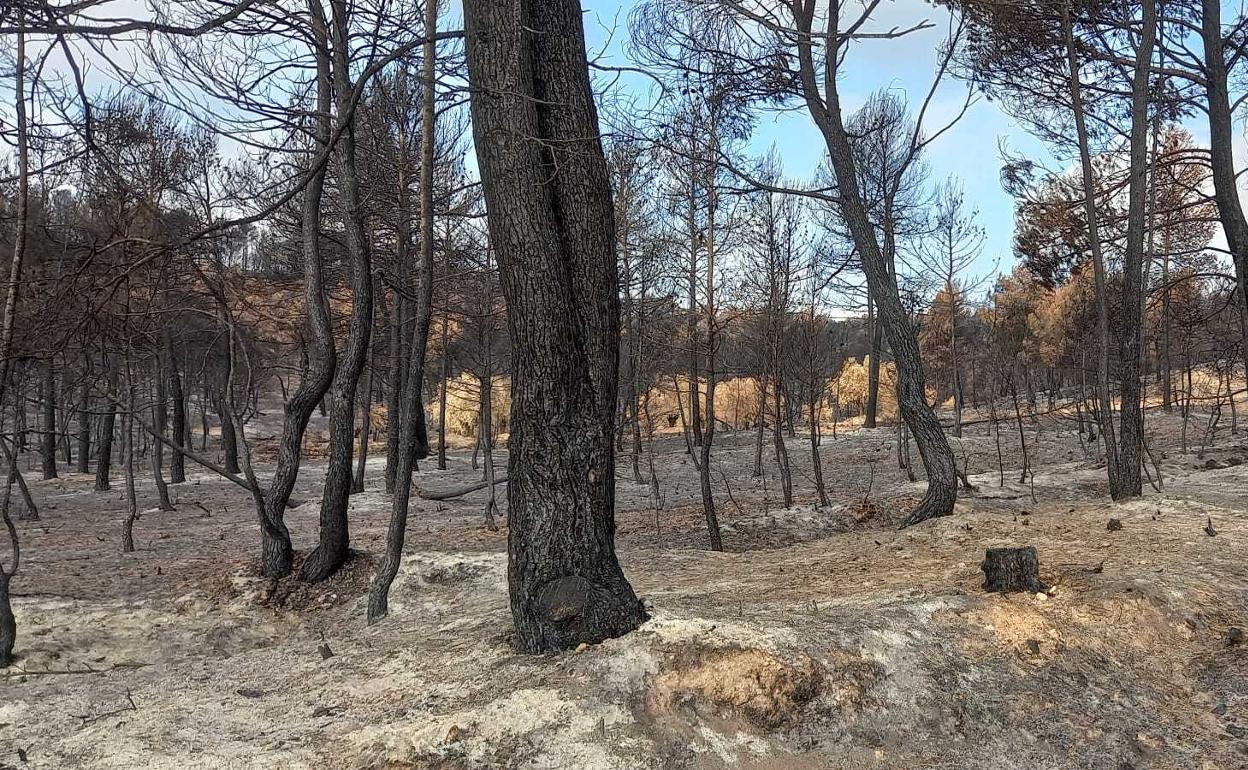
(551, 221)
(357, 483)
(108, 424)
(84, 432)
(178, 425)
(1130, 351)
(1007, 570)
(1222, 156)
(160, 418)
(396, 370)
(410, 404)
(276, 553)
(8, 624)
(47, 427)
(229, 440)
(891, 314)
(334, 545)
(445, 375)
(873, 369)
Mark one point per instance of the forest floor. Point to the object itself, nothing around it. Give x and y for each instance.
(821, 638)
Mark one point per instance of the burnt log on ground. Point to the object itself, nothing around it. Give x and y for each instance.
(1008, 570)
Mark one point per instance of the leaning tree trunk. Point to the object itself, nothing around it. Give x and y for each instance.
(551, 220)
(942, 488)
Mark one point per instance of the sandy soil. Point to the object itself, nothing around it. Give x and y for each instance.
(823, 638)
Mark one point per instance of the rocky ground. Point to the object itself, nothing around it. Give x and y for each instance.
(822, 638)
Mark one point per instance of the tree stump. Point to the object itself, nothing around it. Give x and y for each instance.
(1012, 569)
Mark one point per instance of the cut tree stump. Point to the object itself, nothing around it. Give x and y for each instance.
(1012, 569)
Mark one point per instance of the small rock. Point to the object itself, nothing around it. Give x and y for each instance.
(1042, 597)
(1114, 525)
(582, 647)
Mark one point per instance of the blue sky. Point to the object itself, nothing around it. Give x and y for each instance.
(970, 151)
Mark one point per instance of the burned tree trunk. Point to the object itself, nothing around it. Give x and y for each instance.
(1009, 570)
(84, 432)
(108, 425)
(551, 220)
(900, 333)
(47, 427)
(178, 424)
(229, 440)
(413, 443)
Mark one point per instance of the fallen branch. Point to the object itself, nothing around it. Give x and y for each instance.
(209, 464)
(425, 494)
(56, 671)
(89, 718)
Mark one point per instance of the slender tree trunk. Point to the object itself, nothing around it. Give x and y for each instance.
(84, 432)
(413, 443)
(357, 484)
(782, 454)
(180, 432)
(445, 375)
(276, 551)
(760, 420)
(128, 452)
(334, 542)
(47, 435)
(159, 420)
(1130, 355)
(104, 453)
(892, 317)
(536, 128)
(873, 368)
(1222, 156)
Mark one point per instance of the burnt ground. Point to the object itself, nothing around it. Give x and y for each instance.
(822, 638)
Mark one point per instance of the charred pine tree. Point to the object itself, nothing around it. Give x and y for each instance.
(334, 542)
(411, 442)
(108, 426)
(47, 425)
(551, 222)
(179, 429)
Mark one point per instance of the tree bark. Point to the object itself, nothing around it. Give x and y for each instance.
(1222, 156)
(551, 221)
(108, 424)
(178, 425)
(84, 432)
(47, 420)
(413, 444)
(891, 313)
(276, 553)
(335, 540)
